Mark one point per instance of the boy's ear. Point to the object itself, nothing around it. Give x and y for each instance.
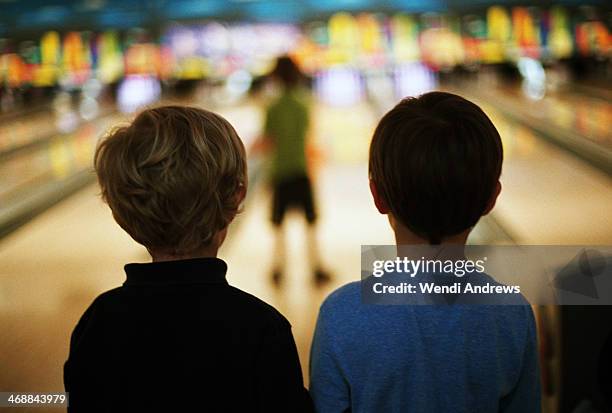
(380, 203)
(241, 193)
(493, 200)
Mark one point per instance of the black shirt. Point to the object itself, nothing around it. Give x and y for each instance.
(177, 334)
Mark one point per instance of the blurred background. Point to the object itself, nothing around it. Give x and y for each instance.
(70, 70)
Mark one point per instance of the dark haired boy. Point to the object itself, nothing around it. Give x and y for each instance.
(176, 336)
(435, 163)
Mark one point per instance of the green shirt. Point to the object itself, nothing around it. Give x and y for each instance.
(287, 122)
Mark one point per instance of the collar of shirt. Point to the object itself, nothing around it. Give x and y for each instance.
(192, 271)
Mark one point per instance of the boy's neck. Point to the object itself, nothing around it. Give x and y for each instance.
(411, 246)
(209, 251)
(411, 239)
(160, 257)
(156, 257)
(403, 236)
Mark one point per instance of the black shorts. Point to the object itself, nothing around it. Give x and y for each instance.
(294, 192)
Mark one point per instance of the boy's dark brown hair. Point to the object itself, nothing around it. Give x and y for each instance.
(172, 177)
(435, 161)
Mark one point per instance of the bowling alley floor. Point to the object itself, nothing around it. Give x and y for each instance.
(53, 267)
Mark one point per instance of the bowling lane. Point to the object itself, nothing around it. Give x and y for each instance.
(35, 174)
(549, 196)
(53, 267)
(591, 117)
(50, 271)
(23, 130)
(20, 129)
(48, 157)
(575, 121)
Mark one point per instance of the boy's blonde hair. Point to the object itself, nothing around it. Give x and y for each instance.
(172, 178)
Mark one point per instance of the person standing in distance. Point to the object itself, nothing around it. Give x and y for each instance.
(287, 124)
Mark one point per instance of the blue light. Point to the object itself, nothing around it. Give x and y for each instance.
(282, 11)
(49, 15)
(120, 19)
(194, 8)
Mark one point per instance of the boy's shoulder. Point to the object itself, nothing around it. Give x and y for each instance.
(345, 303)
(256, 308)
(251, 309)
(346, 294)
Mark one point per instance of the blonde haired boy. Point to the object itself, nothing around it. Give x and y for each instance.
(176, 333)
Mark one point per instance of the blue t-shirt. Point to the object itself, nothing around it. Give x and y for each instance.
(423, 358)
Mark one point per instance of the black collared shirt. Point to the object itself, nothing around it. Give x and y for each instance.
(177, 334)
